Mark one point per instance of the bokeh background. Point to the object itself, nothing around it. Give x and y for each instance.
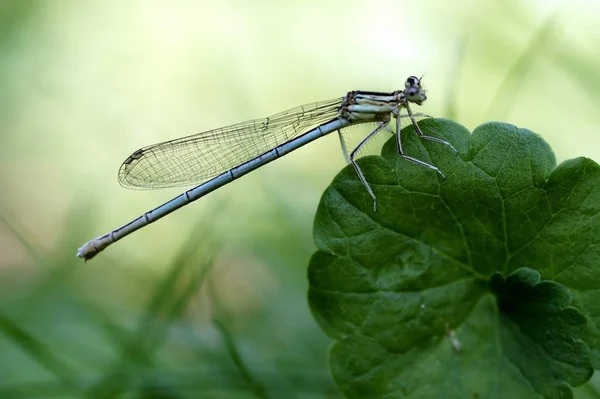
(211, 301)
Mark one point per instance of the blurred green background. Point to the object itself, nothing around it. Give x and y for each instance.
(211, 301)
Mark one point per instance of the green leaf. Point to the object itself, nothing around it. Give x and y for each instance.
(463, 287)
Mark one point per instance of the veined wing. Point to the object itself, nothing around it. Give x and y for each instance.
(200, 157)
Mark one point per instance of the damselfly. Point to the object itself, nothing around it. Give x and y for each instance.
(217, 157)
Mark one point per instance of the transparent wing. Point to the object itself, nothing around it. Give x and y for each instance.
(200, 157)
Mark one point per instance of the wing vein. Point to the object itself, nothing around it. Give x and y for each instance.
(200, 157)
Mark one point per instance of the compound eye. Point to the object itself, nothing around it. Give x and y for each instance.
(411, 91)
(412, 81)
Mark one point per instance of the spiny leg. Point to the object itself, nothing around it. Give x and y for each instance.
(356, 167)
(399, 142)
(427, 165)
(362, 178)
(398, 116)
(344, 148)
(398, 134)
(420, 132)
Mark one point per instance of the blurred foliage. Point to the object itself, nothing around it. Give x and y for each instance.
(211, 301)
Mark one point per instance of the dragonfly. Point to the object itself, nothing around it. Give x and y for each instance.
(217, 157)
